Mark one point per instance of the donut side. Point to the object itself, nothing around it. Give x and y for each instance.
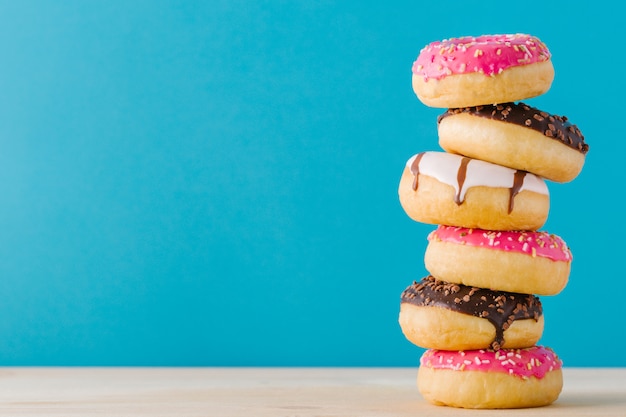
(432, 327)
(487, 390)
(473, 89)
(484, 207)
(485, 69)
(522, 262)
(555, 151)
(442, 315)
(519, 378)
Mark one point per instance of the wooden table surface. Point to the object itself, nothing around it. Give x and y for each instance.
(276, 392)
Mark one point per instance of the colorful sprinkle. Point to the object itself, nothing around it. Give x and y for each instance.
(534, 361)
(535, 244)
(487, 54)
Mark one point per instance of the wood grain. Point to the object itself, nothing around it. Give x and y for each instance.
(260, 392)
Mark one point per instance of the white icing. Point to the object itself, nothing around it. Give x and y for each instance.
(445, 166)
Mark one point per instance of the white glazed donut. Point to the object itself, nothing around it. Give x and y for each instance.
(444, 188)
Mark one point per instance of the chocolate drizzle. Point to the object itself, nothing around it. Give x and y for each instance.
(518, 181)
(501, 308)
(460, 179)
(552, 126)
(461, 175)
(415, 169)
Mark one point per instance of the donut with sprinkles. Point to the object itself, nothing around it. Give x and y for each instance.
(488, 69)
(517, 136)
(435, 314)
(507, 378)
(529, 262)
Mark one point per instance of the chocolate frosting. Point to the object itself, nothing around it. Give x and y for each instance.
(552, 126)
(501, 308)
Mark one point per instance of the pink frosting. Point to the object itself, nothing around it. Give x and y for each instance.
(535, 361)
(487, 54)
(538, 243)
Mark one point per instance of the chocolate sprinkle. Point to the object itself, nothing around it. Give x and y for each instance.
(552, 126)
(500, 308)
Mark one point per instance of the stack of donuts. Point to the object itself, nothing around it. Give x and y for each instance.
(478, 313)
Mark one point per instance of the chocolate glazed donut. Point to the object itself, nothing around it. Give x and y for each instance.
(500, 308)
(550, 125)
(517, 136)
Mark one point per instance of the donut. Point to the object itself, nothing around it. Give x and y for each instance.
(450, 189)
(435, 314)
(528, 262)
(517, 136)
(488, 69)
(507, 378)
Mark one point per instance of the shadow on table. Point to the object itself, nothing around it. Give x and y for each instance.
(593, 400)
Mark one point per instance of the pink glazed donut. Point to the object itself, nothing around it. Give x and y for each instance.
(489, 69)
(507, 378)
(516, 261)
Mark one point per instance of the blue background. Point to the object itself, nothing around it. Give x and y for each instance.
(215, 183)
